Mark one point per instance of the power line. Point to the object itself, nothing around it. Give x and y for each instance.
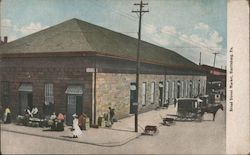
(197, 44)
(186, 40)
(125, 14)
(63, 30)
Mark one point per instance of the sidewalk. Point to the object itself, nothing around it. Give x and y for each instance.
(153, 117)
(121, 132)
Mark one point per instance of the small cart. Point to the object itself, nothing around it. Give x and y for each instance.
(150, 130)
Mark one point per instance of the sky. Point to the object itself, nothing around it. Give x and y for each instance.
(187, 27)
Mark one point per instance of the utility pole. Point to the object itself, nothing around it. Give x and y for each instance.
(0, 19)
(215, 57)
(141, 5)
(200, 59)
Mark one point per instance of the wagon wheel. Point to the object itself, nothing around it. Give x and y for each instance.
(198, 118)
(184, 118)
(194, 116)
(189, 116)
(179, 118)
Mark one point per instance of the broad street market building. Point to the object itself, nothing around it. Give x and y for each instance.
(76, 67)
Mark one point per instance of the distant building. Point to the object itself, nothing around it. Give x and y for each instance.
(76, 67)
(216, 80)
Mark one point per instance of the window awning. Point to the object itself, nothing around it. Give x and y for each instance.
(77, 90)
(25, 87)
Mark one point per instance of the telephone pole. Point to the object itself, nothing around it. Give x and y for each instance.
(200, 59)
(141, 5)
(215, 57)
(0, 19)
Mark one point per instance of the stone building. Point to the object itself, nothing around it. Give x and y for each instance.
(76, 67)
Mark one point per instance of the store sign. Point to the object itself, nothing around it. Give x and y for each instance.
(91, 70)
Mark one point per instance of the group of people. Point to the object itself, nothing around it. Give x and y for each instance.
(59, 117)
(78, 121)
(110, 117)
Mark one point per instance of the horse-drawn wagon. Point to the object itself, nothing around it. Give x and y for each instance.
(188, 109)
(193, 109)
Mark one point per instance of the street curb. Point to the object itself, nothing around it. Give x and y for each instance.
(71, 140)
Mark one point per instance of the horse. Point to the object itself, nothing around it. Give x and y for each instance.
(212, 109)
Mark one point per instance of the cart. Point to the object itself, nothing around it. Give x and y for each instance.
(188, 109)
(167, 121)
(150, 130)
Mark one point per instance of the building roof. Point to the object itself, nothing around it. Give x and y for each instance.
(79, 36)
(214, 70)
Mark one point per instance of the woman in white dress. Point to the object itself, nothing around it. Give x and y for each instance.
(76, 129)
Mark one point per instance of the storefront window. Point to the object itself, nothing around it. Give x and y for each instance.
(144, 93)
(49, 99)
(152, 94)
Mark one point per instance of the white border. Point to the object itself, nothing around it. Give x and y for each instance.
(237, 121)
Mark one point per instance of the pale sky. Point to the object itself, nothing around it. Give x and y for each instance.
(186, 26)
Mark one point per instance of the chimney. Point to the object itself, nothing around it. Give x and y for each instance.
(5, 39)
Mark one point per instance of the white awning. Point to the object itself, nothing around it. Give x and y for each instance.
(77, 90)
(25, 87)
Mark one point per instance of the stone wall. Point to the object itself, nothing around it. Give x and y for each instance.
(114, 90)
(112, 87)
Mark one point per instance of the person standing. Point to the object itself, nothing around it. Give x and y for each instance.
(1, 112)
(107, 119)
(60, 117)
(112, 114)
(76, 129)
(7, 116)
(53, 116)
(82, 120)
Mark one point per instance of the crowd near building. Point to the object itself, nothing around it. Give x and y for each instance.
(76, 67)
